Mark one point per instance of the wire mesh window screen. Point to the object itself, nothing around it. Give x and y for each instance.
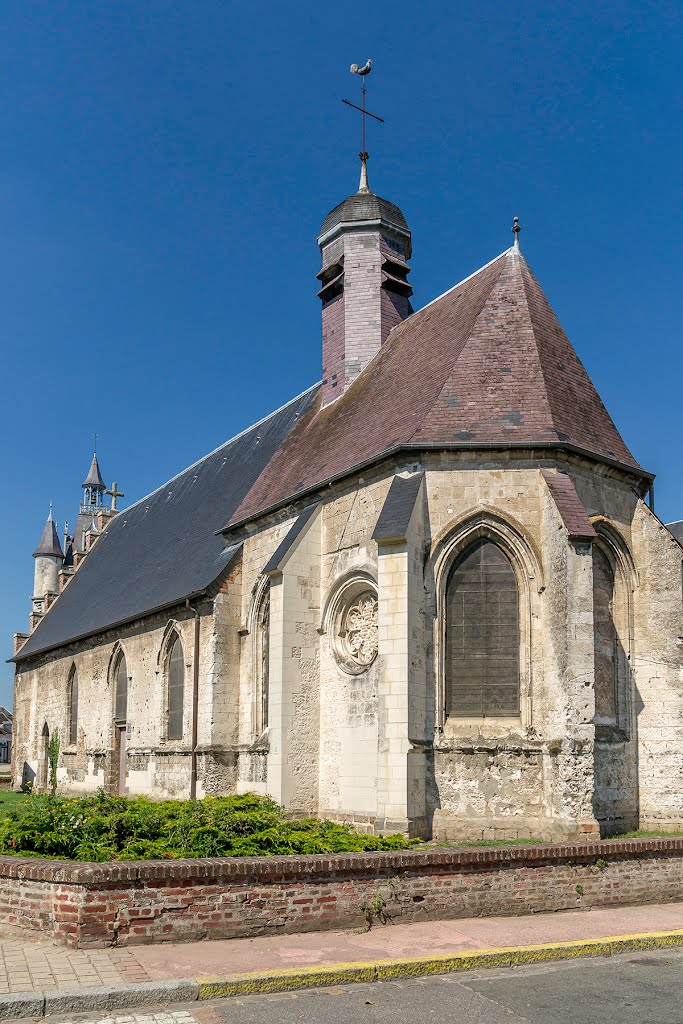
(482, 634)
(73, 707)
(121, 711)
(176, 691)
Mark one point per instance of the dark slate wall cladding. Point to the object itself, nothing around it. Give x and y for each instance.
(165, 547)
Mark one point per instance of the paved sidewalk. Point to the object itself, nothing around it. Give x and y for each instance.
(40, 978)
(384, 942)
(39, 966)
(36, 966)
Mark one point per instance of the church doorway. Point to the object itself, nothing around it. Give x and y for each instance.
(120, 726)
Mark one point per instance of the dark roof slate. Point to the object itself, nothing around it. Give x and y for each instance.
(165, 547)
(569, 504)
(363, 206)
(487, 364)
(397, 509)
(49, 541)
(274, 563)
(94, 477)
(677, 530)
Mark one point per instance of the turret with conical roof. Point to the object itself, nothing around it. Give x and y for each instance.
(365, 245)
(48, 561)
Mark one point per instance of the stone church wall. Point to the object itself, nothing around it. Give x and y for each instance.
(658, 672)
(155, 765)
(368, 740)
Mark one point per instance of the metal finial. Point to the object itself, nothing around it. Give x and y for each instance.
(516, 227)
(363, 186)
(50, 516)
(363, 72)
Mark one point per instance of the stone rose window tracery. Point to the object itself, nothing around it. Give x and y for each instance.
(355, 631)
(360, 629)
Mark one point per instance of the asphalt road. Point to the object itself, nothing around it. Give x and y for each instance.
(634, 988)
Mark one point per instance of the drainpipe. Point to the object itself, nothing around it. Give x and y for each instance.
(195, 701)
(651, 496)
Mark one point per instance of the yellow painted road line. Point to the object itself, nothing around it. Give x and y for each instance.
(292, 978)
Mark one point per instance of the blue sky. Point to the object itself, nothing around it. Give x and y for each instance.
(165, 168)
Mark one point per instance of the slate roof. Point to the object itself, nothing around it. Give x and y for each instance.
(485, 365)
(394, 519)
(363, 206)
(677, 530)
(569, 504)
(49, 541)
(165, 547)
(94, 477)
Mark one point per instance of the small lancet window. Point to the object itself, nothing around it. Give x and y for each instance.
(176, 690)
(121, 677)
(606, 639)
(482, 635)
(72, 693)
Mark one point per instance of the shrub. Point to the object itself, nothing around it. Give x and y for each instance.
(104, 827)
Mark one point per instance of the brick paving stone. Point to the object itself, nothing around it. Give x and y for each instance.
(26, 967)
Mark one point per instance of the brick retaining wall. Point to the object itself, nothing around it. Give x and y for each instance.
(123, 903)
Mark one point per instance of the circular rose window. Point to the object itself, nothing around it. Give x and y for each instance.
(357, 634)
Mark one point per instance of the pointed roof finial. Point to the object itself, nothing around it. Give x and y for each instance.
(363, 186)
(49, 541)
(516, 227)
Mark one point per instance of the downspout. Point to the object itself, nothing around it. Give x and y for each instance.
(195, 701)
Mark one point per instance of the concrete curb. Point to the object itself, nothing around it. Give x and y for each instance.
(382, 970)
(23, 1005)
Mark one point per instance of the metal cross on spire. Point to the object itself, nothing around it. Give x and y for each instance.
(363, 72)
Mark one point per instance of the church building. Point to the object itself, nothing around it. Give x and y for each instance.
(429, 594)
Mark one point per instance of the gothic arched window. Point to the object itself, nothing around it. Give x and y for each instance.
(482, 634)
(262, 665)
(176, 691)
(121, 684)
(72, 698)
(610, 658)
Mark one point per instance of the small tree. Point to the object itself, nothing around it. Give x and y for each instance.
(52, 759)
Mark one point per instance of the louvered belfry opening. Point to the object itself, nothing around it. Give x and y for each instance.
(482, 634)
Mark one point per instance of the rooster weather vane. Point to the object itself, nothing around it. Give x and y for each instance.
(363, 72)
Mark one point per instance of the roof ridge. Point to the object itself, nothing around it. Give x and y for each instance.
(420, 425)
(469, 277)
(534, 294)
(224, 444)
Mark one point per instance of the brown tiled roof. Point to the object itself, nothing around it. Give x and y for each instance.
(569, 505)
(486, 364)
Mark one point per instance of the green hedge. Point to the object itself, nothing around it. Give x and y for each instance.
(104, 827)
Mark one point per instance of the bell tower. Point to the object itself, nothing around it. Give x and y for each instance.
(365, 246)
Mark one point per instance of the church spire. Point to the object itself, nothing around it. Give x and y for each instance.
(93, 488)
